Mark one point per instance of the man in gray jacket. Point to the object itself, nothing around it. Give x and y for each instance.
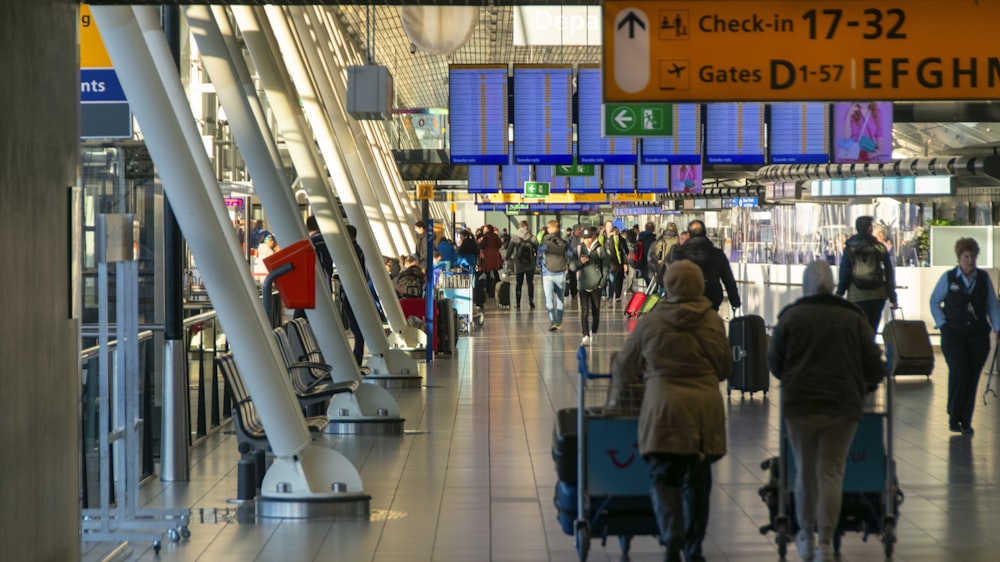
(553, 261)
(824, 353)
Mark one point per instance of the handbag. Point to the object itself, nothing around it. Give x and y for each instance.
(867, 144)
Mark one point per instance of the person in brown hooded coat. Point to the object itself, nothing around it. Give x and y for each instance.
(681, 351)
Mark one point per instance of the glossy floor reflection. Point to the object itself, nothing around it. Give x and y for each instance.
(475, 480)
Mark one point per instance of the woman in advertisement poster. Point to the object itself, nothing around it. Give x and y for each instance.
(686, 179)
(863, 132)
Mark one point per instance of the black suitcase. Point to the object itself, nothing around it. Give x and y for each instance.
(447, 327)
(748, 340)
(908, 346)
(503, 294)
(479, 294)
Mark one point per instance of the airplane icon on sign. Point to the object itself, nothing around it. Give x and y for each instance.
(676, 70)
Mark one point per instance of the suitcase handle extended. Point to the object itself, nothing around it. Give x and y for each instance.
(892, 312)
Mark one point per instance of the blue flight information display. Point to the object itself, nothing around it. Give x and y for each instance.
(681, 147)
(594, 148)
(734, 133)
(586, 184)
(513, 176)
(477, 109)
(484, 179)
(619, 179)
(800, 133)
(543, 116)
(653, 178)
(557, 184)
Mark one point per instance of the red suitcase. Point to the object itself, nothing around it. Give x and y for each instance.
(635, 304)
(418, 308)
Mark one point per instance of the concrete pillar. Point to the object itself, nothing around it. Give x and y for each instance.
(40, 348)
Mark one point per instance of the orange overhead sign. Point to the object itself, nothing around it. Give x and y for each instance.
(800, 50)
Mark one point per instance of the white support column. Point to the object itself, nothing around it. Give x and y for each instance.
(152, 84)
(283, 100)
(320, 106)
(376, 135)
(362, 194)
(261, 156)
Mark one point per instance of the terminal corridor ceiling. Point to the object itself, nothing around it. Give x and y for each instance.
(421, 79)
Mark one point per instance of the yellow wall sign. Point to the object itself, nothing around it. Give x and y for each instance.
(92, 51)
(799, 50)
(425, 191)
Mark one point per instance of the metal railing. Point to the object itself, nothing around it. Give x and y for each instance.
(210, 398)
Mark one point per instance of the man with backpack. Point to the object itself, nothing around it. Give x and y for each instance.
(522, 251)
(866, 272)
(661, 249)
(617, 252)
(639, 258)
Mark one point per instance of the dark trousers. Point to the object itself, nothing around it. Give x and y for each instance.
(590, 311)
(873, 311)
(521, 275)
(965, 354)
(570, 284)
(681, 485)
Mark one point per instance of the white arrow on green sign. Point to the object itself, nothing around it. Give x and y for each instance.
(536, 189)
(575, 170)
(638, 119)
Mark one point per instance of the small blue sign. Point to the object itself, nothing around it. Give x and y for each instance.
(100, 85)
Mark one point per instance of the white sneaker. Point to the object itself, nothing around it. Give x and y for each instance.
(806, 544)
(586, 340)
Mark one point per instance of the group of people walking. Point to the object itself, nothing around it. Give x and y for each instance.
(823, 350)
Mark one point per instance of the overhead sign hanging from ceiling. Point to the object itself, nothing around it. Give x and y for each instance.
(799, 51)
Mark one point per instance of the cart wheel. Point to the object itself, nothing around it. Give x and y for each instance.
(582, 540)
(782, 541)
(625, 543)
(889, 539)
(185, 532)
(156, 548)
(174, 535)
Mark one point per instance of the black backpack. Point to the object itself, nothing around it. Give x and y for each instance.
(525, 254)
(867, 271)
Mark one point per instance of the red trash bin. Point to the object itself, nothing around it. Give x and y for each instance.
(297, 287)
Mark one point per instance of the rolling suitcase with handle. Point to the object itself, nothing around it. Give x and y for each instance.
(637, 302)
(907, 346)
(748, 341)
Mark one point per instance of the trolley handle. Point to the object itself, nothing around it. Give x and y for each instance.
(581, 356)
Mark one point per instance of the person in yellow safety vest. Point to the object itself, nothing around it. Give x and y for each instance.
(617, 252)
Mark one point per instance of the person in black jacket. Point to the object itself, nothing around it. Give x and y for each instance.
(322, 254)
(824, 353)
(713, 262)
(867, 285)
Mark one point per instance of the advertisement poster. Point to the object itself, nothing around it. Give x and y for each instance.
(685, 178)
(862, 132)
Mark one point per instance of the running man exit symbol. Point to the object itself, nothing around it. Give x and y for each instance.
(652, 118)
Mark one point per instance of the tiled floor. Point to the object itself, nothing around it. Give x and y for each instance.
(475, 480)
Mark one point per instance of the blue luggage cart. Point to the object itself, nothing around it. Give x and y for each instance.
(871, 494)
(611, 493)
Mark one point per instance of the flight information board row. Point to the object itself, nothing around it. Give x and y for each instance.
(608, 178)
(734, 133)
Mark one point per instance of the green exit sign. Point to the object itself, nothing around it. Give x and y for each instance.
(575, 170)
(536, 189)
(638, 119)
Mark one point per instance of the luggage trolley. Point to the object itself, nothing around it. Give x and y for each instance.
(457, 286)
(612, 479)
(871, 495)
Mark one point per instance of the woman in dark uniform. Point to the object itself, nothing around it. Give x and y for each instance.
(965, 309)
